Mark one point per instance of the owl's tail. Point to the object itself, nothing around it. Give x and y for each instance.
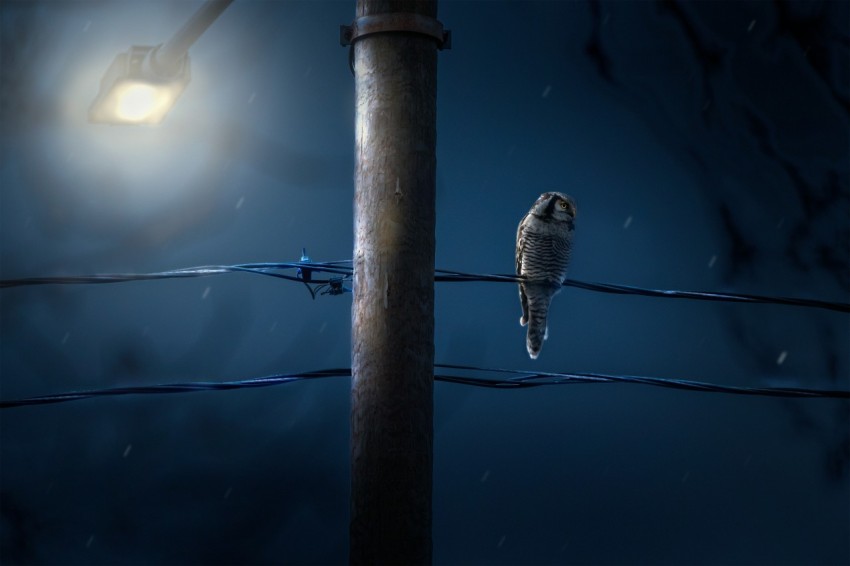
(539, 298)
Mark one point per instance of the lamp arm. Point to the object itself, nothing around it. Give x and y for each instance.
(166, 60)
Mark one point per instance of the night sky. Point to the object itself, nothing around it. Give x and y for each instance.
(706, 144)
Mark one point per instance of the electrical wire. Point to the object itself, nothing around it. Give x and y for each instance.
(343, 272)
(519, 380)
(200, 271)
(187, 387)
(335, 285)
(533, 379)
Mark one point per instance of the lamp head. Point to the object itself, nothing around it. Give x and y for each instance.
(133, 92)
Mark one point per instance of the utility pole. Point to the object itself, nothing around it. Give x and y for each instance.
(395, 45)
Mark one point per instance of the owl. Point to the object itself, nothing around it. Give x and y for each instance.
(543, 245)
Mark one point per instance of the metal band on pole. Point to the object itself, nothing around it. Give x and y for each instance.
(396, 22)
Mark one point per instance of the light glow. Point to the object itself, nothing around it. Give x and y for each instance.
(140, 102)
(131, 92)
(137, 102)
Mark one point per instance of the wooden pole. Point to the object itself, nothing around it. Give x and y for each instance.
(392, 342)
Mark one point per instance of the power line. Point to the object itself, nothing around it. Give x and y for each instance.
(534, 379)
(518, 380)
(268, 269)
(442, 275)
(187, 387)
(341, 272)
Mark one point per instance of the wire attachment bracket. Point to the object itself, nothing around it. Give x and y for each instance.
(395, 22)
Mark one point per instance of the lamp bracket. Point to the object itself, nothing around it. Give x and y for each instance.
(402, 22)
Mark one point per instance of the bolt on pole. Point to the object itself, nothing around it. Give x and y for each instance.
(392, 354)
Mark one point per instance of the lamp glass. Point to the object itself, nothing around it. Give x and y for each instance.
(132, 93)
(137, 102)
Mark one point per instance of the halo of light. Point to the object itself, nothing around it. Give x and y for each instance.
(138, 102)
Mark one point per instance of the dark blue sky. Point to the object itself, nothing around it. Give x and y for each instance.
(706, 145)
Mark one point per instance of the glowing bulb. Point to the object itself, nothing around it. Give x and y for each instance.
(136, 102)
(139, 102)
(131, 93)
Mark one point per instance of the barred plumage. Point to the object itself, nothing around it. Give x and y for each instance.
(543, 246)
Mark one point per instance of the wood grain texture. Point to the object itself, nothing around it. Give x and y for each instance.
(393, 306)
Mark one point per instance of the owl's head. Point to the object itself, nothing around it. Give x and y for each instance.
(555, 206)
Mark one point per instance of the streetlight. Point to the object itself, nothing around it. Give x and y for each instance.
(142, 84)
(132, 92)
